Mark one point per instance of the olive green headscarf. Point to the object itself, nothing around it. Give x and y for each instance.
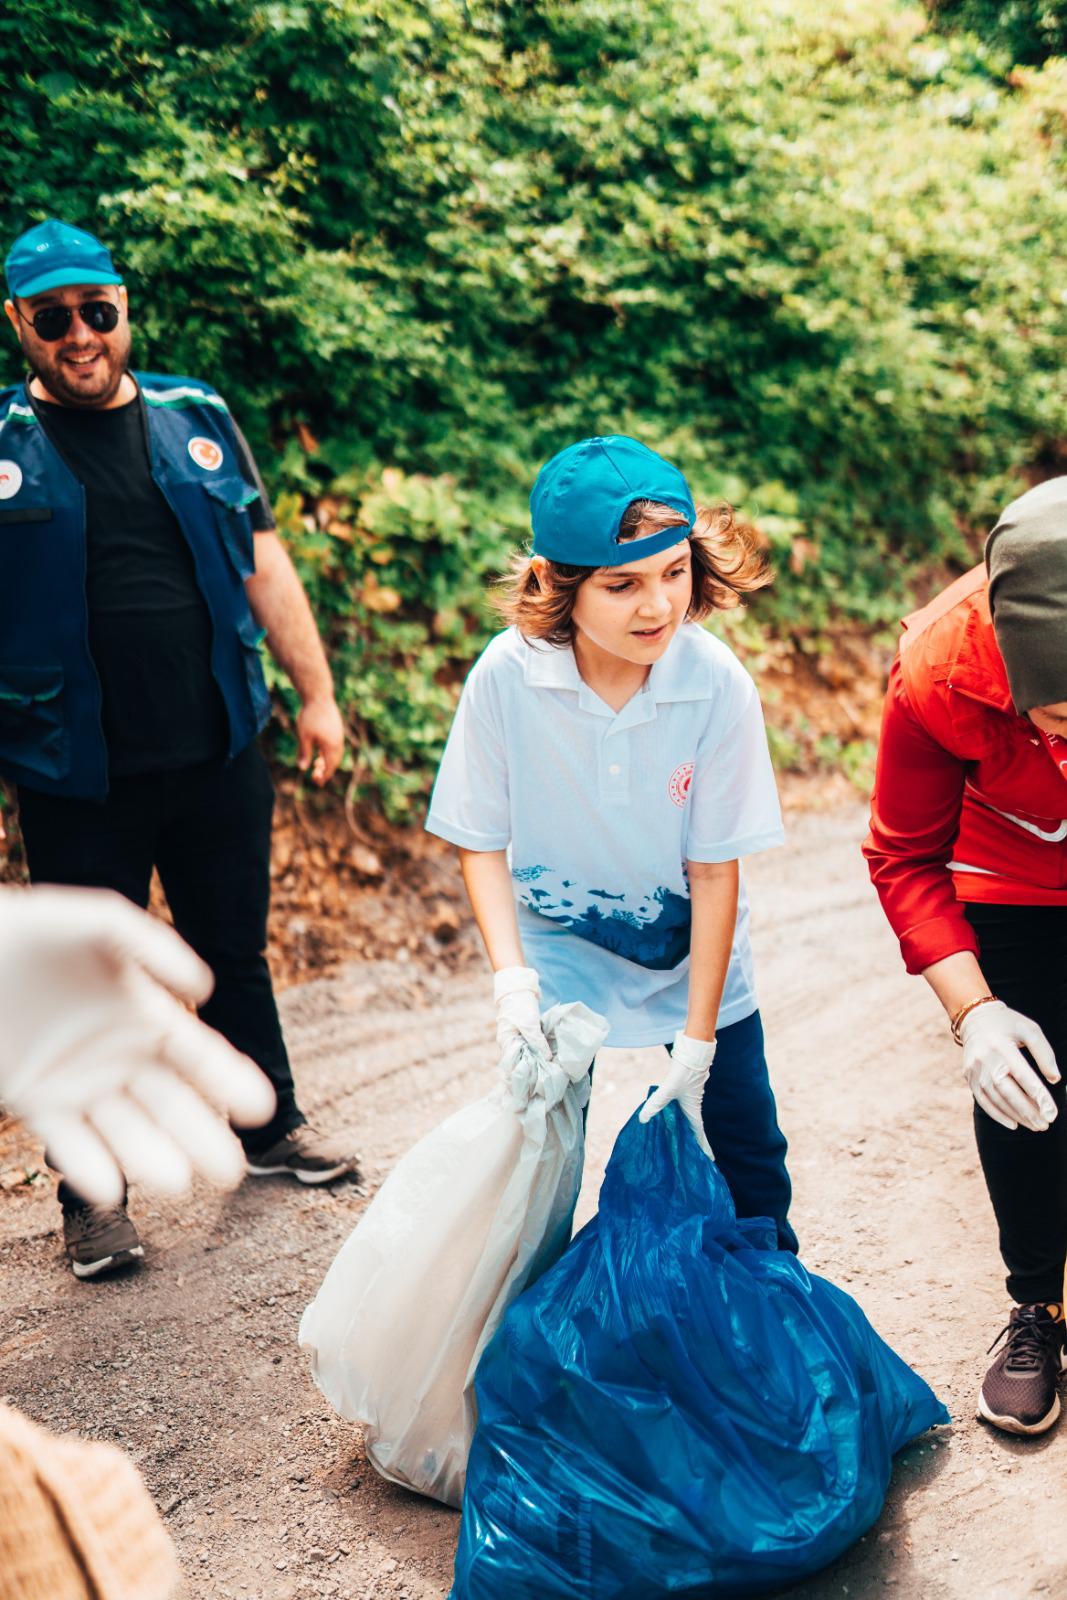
(1026, 555)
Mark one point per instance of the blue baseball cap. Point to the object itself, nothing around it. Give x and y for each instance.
(54, 254)
(580, 496)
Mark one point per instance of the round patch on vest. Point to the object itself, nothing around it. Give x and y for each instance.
(681, 778)
(10, 479)
(206, 453)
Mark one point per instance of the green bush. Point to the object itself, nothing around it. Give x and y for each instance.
(1027, 31)
(812, 251)
(399, 566)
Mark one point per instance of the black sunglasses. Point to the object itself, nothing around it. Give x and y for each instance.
(52, 322)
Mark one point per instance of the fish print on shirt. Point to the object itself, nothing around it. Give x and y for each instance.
(652, 932)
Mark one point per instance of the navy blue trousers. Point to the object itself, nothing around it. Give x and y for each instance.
(741, 1122)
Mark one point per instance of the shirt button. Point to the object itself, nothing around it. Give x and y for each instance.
(615, 769)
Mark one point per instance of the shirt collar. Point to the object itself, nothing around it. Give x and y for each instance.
(550, 666)
(675, 676)
(678, 674)
(554, 667)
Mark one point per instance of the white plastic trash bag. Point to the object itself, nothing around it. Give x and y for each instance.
(463, 1223)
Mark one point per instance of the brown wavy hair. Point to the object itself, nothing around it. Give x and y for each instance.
(728, 562)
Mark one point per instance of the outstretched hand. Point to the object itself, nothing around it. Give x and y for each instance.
(99, 1055)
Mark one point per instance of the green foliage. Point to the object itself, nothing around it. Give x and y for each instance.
(854, 757)
(785, 748)
(1027, 31)
(398, 567)
(813, 252)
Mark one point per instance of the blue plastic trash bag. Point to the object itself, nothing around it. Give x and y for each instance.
(677, 1407)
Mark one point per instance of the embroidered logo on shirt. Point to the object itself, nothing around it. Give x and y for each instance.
(10, 479)
(681, 778)
(206, 453)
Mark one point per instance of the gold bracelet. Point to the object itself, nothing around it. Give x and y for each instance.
(965, 1011)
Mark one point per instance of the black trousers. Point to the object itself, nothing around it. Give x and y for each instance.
(1024, 960)
(207, 831)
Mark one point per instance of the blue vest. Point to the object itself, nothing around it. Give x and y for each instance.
(51, 736)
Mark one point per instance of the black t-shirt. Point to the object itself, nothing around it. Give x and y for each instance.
(150, 631)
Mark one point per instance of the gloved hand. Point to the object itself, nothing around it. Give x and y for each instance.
(517, 994)
(688, 1073)
(1003, 1083)
(100, 1059)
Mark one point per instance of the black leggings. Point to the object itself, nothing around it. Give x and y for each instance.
(1024, 960)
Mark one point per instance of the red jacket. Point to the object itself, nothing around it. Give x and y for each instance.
(970, 801)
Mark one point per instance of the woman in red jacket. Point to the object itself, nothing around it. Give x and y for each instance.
(968, 852)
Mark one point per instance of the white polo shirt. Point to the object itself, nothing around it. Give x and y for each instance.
(600, 810)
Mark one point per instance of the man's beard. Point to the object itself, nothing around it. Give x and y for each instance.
(110, 373)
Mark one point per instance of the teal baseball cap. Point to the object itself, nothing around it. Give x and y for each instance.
(54, 254)
(580, 496)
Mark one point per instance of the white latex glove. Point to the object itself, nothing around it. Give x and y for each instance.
(688, 1073)
(517, 995)
(1002, 1081)
(100, 1059)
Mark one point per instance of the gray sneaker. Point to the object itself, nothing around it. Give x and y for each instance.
(307, 1155)
(99, 1239)
(1019, 1393)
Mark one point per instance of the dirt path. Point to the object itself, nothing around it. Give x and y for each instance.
(192, 1364)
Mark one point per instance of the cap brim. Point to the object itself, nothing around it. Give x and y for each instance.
(62, 278)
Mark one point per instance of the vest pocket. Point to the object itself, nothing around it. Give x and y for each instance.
(230, 503)
(33, 727)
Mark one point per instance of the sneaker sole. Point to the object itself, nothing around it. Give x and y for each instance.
(1013, 1425)
(121, 1258)
(301, 1174)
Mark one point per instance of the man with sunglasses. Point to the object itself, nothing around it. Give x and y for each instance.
(141, 569)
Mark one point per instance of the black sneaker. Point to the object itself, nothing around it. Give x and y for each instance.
(307, 1155)
(1019, 1392)
(99, 1239)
